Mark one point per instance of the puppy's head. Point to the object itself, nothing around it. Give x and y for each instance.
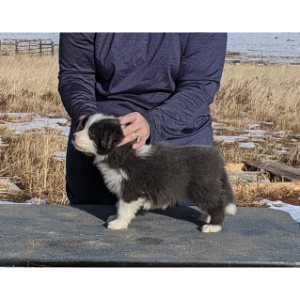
(97, 134)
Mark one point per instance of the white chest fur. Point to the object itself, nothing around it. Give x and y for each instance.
(113, 177)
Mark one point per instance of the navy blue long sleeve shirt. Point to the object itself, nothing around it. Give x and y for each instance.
(170, 78)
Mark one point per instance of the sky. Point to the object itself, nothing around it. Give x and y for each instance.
(251, 130)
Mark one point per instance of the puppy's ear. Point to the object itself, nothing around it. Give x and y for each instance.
(80, 123)
(112, 135)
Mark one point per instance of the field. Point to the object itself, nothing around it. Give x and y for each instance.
(255, 113)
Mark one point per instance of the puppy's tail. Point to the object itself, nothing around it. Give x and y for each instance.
(230, 209)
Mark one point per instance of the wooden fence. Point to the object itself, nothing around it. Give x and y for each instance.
(37, 47)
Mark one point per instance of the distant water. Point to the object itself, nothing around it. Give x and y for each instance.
(266, 47)
(283, 47)
(54, 36)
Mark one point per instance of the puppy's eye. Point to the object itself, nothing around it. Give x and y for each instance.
(92, 132)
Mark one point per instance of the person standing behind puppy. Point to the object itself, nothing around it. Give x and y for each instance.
(160, 84)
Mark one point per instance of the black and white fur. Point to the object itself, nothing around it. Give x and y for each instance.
(156, 176)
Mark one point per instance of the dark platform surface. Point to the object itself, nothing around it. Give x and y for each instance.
(54, 235)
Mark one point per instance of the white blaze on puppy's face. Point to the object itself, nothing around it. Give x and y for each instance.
(83, 143)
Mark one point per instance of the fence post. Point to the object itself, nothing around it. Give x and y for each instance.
(41, 47)
(16, 45)
(52, 48)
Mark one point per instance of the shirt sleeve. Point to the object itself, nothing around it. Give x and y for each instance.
(198, 81)
(77, 73)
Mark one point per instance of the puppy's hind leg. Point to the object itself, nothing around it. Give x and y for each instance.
(228, 206)
(205, 218)
(125, 213)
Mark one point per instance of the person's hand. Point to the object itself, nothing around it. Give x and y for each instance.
(137, 129)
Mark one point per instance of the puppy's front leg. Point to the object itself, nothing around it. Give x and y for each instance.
(125, 213)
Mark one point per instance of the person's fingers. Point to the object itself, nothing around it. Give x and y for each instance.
(138, 138)
(130, 129)
(130, 138)
(137, 128)
(129, 118)
(88, 154)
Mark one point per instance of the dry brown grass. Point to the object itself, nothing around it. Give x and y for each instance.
(252, 93)
(29, 84)
(29, 161)
(248, 93)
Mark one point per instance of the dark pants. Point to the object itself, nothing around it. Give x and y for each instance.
(85, 183)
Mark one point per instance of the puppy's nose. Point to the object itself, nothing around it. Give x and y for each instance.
(74, 137)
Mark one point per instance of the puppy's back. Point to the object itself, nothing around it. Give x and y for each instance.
(174, 170)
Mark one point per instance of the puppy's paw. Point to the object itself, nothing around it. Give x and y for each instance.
(117, 225)
(211, 228)
(205, 218)
(111, 218)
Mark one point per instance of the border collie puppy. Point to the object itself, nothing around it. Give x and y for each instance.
(156, 176)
